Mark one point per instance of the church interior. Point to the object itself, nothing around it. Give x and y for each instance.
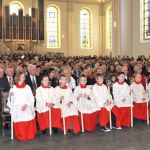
(75, 39)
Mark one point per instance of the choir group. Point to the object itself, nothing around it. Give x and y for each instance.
(76, 98)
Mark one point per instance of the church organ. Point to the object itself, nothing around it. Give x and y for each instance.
(19, 27)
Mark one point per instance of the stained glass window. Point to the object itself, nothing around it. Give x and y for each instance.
(53, 23)
(146, 19)
(110, 28)
(85, 29)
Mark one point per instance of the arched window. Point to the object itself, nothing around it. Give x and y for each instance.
(146, 20)
(109, 27)
(53, 27)
(14, 7)
(30, 11)
(85, 28)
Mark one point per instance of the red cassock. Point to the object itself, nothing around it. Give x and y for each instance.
(56, 118)
(89, 121)
(25, 130)
(43, 119)
(104, 116)
(122, 99)
(140, 110)
(74, 121)
(125, 116)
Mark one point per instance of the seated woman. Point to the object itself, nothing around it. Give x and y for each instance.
(21, 104)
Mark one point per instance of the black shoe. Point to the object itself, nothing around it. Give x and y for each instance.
(44, 132)
(105, 129)
(55, 130)
(6, 126)
(69, 132)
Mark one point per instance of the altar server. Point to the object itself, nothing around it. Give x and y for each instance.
(86, 104)
(105, 104)
(140, 98)
(122, 99)
(69, 112)
(21, 104)
(45, 99)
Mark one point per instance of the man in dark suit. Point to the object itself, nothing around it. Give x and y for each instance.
(6, 82)
(76, 71)
(8, 79)
(52, 77)
(87, 71)
(31, 79)
(1, 77)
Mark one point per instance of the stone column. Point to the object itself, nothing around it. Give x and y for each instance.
(70, 29)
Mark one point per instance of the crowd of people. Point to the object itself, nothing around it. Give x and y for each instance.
(79, 92)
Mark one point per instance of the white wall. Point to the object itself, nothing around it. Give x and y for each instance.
(139, 47)
(106, 51)
(130, 29)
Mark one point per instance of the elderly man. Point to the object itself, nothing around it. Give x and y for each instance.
(76, 71)
(7, 79)
(6, 82)
(31, 79)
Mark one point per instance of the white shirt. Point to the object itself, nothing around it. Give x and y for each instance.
(33, 78)
(10, 81)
